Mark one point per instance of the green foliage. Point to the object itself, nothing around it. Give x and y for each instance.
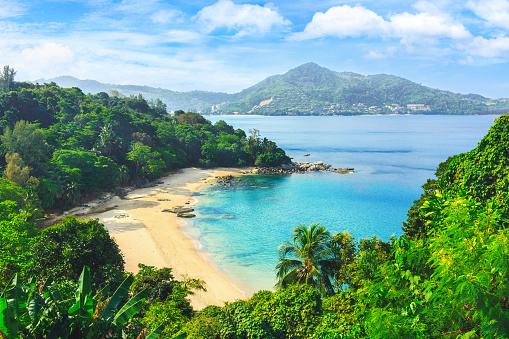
(339, 318)
(72, 143)
(41, 312)
(60, 250)
(11, 191)
(27, 141)
(204, 325)
(16, 236)
(293, 312)
(308, 259)
(92, 172)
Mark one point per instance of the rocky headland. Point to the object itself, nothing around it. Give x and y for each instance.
(300, 167)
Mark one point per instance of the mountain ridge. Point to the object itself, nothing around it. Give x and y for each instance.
(310, 89)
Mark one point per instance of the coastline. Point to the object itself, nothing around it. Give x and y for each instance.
(149, 236)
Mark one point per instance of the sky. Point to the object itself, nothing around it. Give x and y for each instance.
(229, 45)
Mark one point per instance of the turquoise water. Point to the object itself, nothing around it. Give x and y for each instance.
(241, 227)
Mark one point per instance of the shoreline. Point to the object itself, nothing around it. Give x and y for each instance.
(149, 236)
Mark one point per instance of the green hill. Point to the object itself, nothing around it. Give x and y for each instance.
(196, 101)
(312, 90)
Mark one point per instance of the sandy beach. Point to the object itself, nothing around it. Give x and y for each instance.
(149, 236)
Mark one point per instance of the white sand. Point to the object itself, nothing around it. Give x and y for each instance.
(149, 236)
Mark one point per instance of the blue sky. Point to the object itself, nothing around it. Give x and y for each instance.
(229, 45)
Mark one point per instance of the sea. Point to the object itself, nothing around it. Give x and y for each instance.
(239, 228)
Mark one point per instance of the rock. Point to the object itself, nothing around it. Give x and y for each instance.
(178, 209)
(120, 192)
(306, 155)
(163, 199)
(186, 215)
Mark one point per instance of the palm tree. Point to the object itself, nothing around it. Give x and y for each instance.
(309, 259)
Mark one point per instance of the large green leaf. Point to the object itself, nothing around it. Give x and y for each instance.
(121, 292)
(130, 309)
(16, 302)
(8, 324)
(35, 309)
(84, 306)
(156, 333)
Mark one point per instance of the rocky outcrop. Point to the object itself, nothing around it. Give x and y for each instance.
(301, 167)
(186, 215)
(178, 209)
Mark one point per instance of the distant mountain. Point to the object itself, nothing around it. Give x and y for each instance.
(313, 90)
(196, 101)
(310, 89)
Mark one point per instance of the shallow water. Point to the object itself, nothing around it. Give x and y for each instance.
(241, 227)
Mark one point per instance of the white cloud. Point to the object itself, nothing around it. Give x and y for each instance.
(489, 48)
(142, 7)
(164, 17)
(467, 61)
(182, 36)
(495, 12)
(374, 55)
(246, 19)
(344, 21)
(426, 27)
(10, 9)
(47, 54)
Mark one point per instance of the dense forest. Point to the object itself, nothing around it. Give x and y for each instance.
(446, 276)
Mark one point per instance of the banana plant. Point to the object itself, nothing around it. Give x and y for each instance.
(42, 313)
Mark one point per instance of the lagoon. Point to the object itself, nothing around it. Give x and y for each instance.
(240, 228)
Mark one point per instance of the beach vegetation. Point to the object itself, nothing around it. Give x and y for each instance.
(308, 259)
(60, 251)
(40, 311)
(446, 276)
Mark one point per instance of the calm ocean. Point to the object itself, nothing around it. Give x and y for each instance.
(241, 228)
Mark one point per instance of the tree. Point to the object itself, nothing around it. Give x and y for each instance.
(309, 259)
(15, 171)
(27, 140)
(7, 78)
(150, 163)
(62, 250)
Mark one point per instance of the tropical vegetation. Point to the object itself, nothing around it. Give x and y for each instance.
(447, 276)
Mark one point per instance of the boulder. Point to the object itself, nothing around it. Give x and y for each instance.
(178, 209)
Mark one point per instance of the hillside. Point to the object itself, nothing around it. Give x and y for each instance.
(312, 90)
(196, 101)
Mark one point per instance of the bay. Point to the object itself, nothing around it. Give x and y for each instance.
(240, 228)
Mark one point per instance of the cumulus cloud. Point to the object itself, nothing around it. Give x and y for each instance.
(246, 19)
(489, 48)
(47, 54)
(428, 26)
(9, 9)
(495, 12)
(344, 21)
